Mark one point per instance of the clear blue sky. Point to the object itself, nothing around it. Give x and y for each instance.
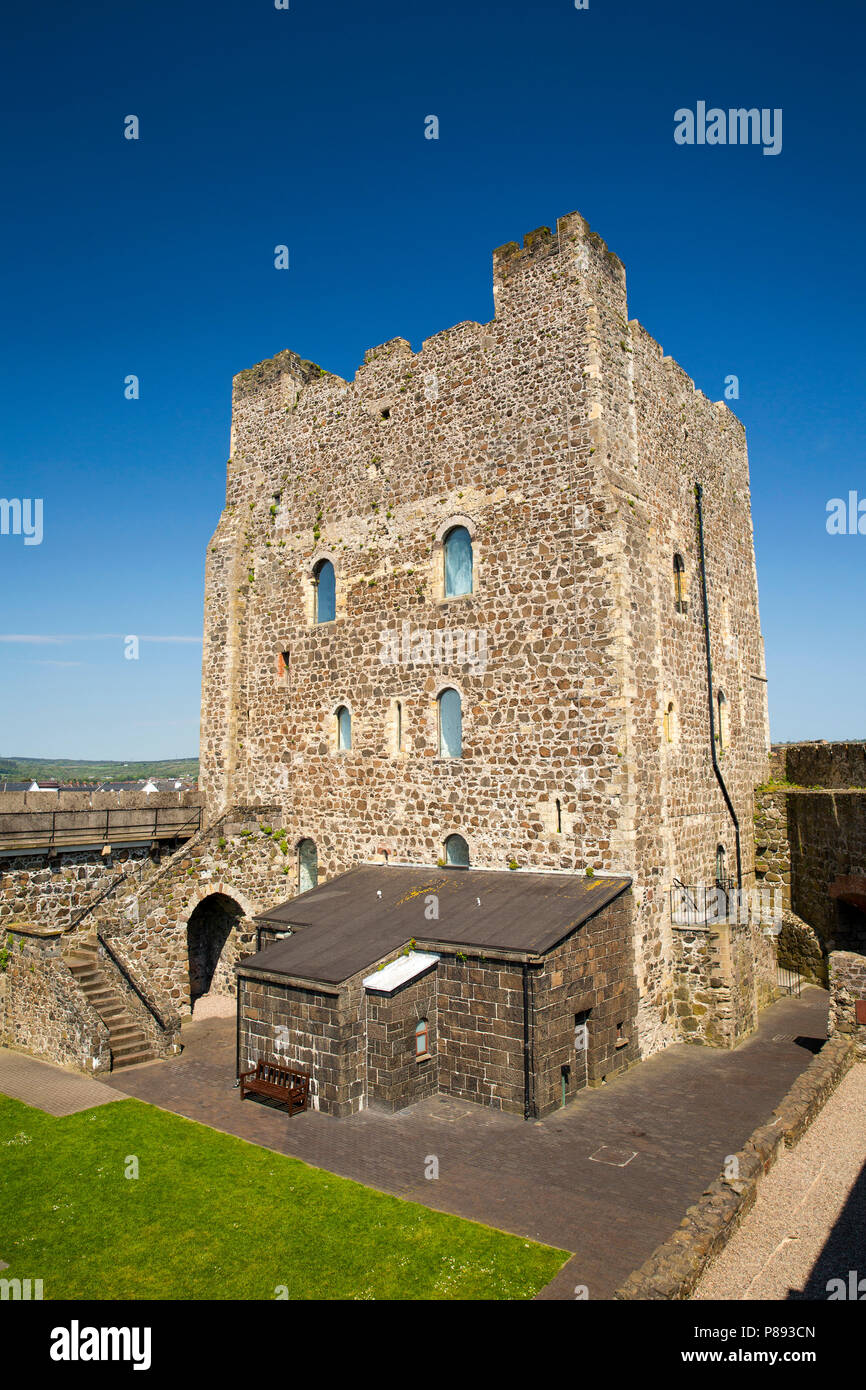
(306, 127)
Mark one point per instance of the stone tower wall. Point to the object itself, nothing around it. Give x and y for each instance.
(569, 446)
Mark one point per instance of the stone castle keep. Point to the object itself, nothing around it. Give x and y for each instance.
(483, 680)
(568, 446)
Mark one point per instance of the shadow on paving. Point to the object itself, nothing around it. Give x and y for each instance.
(671, 1122)
(844, 1253)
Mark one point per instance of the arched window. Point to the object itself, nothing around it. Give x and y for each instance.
(722, 731)
(450, 725)
(558, 816)
(457, 852)
(721, 866)
(422, 1039)
(680, 596)
(344, 729)
(308, 866)
(326, 592)
(670, 723)
(458, 562)
(398, 727)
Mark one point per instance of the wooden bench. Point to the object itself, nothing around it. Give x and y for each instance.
(278, 1081)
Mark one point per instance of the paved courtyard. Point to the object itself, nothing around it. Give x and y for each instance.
(50, 1088)
(608, 1177)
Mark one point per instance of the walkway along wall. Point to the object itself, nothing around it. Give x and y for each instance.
(59, 850)
(143, 943)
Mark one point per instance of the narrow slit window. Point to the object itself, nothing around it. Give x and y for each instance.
(680, 598)
(308, 866)
(722, 731)
(344, 729)
(670, 723)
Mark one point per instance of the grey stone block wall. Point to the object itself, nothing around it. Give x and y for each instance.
(395, 1076)
(360, 1046)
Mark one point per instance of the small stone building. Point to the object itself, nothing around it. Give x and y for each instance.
(388, 984)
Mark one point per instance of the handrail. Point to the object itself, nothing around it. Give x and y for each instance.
(678, 883)
(151, 1007)
(96, 901)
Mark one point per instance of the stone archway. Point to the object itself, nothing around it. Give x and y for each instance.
(209, 930)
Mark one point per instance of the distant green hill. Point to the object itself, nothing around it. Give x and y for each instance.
(81, 770)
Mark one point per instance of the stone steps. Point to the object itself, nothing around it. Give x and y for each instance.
(126, 1039)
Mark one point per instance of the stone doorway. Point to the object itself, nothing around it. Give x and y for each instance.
(208, 931)
(850, 933)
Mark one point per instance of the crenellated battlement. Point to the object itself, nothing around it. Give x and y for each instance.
(265, 375)
(289, 375)
(541, 244)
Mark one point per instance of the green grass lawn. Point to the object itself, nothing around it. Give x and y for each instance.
(210, 1216)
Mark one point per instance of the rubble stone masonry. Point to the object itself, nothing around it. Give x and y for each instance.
(810, 841)
(569, 445)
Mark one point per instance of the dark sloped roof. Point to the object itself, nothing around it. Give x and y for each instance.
(348, 925)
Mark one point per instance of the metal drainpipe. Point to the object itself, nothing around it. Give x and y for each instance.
(527, 1072)
(699, 492)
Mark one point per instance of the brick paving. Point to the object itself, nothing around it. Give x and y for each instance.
(50, 1088)
(681, 1112)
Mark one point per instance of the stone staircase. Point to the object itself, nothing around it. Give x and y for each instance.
(127, 1040)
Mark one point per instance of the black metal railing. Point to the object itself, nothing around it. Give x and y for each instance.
(703, 904)
(85, 911)
(788, 981)
(164, 1022)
